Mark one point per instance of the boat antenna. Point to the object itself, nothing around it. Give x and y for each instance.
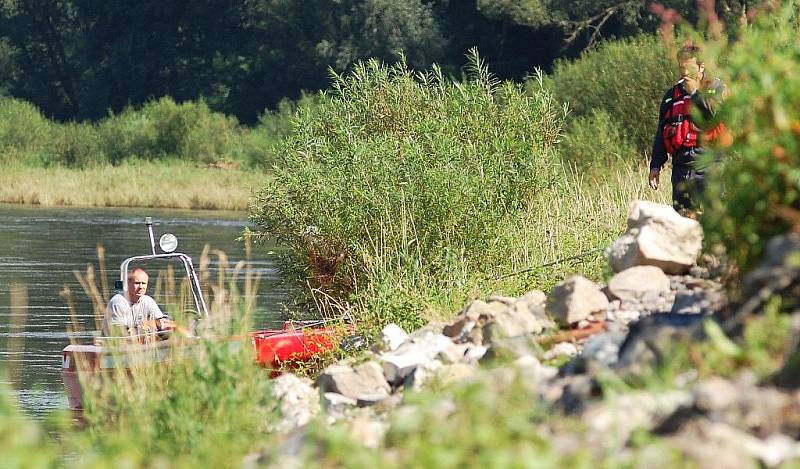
(149, 222)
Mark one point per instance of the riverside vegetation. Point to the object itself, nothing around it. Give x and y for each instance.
(369, 192)
(164, 154)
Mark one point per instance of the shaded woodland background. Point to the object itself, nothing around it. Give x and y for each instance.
(85, 59)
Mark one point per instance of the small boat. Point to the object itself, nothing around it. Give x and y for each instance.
(294, 343)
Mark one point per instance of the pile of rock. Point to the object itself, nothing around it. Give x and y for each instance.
(651, 295)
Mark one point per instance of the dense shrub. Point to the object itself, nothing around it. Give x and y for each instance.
(258, 146)
(160, 129)
(24, 132)
(757, 194)
(408, 172)
(626, 79)
(76, 144)
(596, 140)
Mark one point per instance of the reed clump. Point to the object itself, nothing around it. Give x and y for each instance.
(402, 194)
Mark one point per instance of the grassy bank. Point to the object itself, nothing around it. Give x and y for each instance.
(134, 184)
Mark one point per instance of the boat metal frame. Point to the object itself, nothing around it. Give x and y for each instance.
(194, 283)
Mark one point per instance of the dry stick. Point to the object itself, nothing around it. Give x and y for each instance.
(16, 342)
(157, 290)
(169, 284)
(101, 260)
(549, 264)
(73, 326)
(89, 287)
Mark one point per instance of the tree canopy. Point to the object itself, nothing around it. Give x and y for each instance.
(80, 59)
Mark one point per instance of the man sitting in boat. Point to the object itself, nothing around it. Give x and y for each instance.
(133, 312)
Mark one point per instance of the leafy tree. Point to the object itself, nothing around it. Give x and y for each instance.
(43, 35)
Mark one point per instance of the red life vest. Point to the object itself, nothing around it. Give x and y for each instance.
(678, 131)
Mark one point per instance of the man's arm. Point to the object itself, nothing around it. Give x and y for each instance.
(658, 155)
(118, 314)
(153, 311)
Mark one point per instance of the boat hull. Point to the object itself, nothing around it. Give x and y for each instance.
(273, 348)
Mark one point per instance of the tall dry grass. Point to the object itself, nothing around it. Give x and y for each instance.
(133, 184)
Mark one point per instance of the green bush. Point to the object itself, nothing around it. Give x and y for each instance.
(25, 134)
(258, 146)
(76, 145)
(23, 444)
(407, 173)
(760, 183)
(206, 406)
(596, 140)
(161, 129)
(626, 79)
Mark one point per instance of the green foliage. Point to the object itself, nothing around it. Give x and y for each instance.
(399, 171)
(22, 443)
(596, 139)
(204, 406)
(160, 130)
(258, 146)
(24, 132)
(624, 79)
(163, 128)
(76, 145)
(760, 181)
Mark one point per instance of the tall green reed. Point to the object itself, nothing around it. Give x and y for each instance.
(422, 165)
(403, 195)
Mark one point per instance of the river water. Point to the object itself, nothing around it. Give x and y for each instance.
(40, 248)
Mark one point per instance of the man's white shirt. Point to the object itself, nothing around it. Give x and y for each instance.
(120, 312)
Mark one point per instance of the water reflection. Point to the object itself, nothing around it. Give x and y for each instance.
(40, 248)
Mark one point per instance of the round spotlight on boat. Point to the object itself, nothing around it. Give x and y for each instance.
(168, 242)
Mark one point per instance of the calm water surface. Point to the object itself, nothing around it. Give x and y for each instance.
(40, 248)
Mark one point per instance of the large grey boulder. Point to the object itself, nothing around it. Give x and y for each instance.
(575, 299)
(634, 283)
(365, 379)
(656, 235)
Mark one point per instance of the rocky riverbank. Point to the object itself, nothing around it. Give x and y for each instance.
(564, 347)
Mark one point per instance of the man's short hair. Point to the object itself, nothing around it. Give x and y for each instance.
(690, 50)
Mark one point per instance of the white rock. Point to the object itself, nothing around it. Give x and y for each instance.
(534, 298)
(575, 299)
(399, 364)
(462, 353)
(635, 283)
(335, 400)
(364, 379)
(393, 336)
(299, 402)
(561, 349)
(657, 235)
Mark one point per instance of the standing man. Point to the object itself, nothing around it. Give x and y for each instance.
(678, 134)
(133, 309)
